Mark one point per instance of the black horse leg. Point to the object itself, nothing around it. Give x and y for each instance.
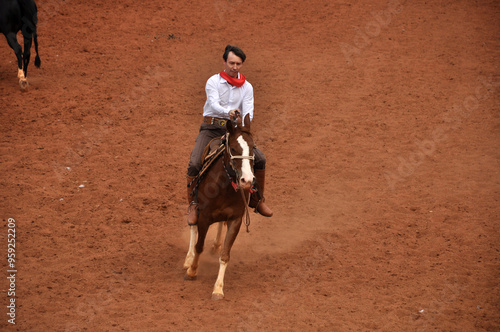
(12, 40)
(37, 58)
(26, 54)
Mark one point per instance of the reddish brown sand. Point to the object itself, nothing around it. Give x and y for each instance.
(380, 122)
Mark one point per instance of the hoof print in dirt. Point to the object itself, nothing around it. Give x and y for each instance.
(187, 277)
(216, 296)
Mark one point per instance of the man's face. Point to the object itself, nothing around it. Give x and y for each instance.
(233, 65)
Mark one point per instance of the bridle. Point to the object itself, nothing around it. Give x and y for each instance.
(233, 182)
(231, 163)
(228, 148)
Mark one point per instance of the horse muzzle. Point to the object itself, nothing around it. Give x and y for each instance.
(246, 183)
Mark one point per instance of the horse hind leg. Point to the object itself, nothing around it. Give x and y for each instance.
(38, 62)
(18, 50)
(218, 239)
(23, 82)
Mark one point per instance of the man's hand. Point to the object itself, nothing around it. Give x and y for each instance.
(234, 113)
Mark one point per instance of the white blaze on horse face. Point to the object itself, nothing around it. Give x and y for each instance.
(246, 169)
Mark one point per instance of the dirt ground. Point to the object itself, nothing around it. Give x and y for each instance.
(380, 123)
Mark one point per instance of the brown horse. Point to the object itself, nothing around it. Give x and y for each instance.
(222, 195)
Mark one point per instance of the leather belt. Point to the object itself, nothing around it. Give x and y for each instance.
(215, 121)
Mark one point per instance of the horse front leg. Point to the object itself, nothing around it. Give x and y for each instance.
(190, 255)
(192, 270)
(218, 293)
(233, 227)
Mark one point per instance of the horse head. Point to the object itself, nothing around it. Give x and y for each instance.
(240, 151)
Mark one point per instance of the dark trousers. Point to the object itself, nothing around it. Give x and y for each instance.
(206, 134)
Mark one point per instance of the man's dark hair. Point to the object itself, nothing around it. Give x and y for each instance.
(236, 50)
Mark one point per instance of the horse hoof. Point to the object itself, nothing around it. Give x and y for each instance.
(23, 83)
(217, 296)
(188, 263)
(188, 277)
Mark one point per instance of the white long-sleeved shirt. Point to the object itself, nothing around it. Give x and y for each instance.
(223, 97)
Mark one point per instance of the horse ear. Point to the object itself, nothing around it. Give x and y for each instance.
(247, 122)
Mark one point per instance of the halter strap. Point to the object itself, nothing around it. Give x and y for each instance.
(236, 157)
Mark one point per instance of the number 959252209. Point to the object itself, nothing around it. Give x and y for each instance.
(11, 243)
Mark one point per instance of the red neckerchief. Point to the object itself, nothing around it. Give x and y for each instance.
(233, 81)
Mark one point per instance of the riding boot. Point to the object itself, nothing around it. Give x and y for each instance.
(192, 218)
(257, 200)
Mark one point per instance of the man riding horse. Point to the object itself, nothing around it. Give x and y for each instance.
(228, 95)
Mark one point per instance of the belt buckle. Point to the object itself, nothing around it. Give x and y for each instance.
(222, 123)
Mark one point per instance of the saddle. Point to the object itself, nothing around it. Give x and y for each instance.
(210, 154)
(214, 147)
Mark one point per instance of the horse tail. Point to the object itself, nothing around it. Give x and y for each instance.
(30, 20)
